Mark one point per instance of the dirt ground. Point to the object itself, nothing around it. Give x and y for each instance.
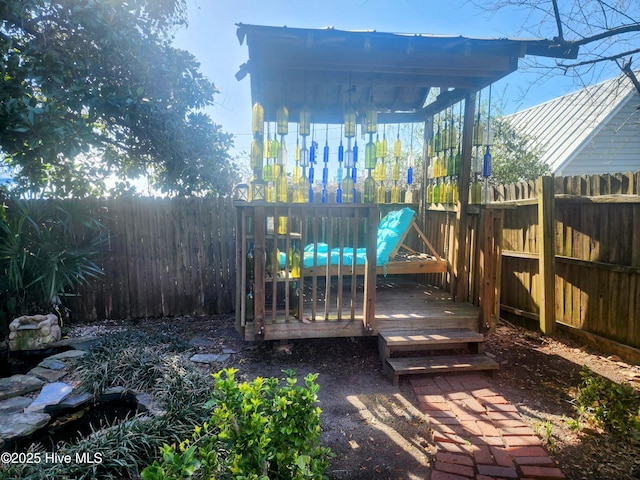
(377, 431)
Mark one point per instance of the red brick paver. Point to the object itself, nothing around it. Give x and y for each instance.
(478, 434)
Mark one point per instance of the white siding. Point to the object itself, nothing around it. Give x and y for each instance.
(594, 130)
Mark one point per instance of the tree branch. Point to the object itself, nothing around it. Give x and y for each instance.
(556, 14)
(626, 69)
(567, 66)
(607, 34)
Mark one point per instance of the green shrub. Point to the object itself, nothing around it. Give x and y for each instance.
(615, 407)
(48, 248)
(258, 430)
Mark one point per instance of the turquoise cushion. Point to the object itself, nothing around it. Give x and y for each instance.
(390, 231)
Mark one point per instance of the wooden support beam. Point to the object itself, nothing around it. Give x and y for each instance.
(460, 288)
(259, 251)
(369, 313)
(547, 262)
(490, 259)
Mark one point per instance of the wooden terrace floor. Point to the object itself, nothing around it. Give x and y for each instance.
(401, 304)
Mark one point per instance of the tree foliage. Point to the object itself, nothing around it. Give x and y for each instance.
(516, 157)
(94, 89)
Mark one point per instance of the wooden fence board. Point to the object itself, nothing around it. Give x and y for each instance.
(597, 246)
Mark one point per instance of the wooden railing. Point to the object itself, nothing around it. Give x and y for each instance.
(271, 291)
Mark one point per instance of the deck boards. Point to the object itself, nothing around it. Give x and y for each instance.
(401, 304)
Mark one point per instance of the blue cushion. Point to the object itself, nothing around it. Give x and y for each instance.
(390, 231)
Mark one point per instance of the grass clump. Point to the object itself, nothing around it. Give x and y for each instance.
(132, 360)
(141, 363)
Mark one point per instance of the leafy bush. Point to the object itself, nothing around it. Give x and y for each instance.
(615, 407)
(47, 249)
(257, 430)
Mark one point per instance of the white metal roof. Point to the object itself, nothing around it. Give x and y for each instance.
(565, 126)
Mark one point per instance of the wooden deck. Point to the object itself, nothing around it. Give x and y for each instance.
(402, 303)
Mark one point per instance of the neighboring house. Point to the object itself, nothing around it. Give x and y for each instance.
(594, 130)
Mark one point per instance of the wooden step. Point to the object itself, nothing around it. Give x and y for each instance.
(437, 364)
(398, 339)
(423, 340)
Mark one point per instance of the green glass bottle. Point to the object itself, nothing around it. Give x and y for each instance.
(369, 194)
(347, 189)
(370, 154)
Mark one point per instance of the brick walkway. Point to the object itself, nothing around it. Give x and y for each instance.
(477, 433)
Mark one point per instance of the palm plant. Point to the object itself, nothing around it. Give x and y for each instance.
(48, 248)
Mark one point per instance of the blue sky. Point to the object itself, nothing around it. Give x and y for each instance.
(211, 37)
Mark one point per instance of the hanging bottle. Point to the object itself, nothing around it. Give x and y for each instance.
(347, 189)
(449, 191)
(381, 194)
(257, 119)
(295, 261)
(437, 140)
(369, 193)
(478, 132)
(476, 190)
(429, 193)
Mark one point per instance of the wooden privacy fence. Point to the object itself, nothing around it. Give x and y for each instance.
(571, 256)
(162, 257)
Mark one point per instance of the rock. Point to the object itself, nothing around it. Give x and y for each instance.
(51, 394)
(52, 364)
(18, 385)
(146, 403)
(33, 332)
(205, 358)
(201, 342)
(223, 357)
(22, 424)
(68, 355)
(228, 350)
(72, 402)
(47, 375)
(14, 405)
(115, 393)
(78, 343)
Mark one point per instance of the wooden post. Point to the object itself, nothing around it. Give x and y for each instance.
(546, 252)
(259, 258)
(490, 265)
(460, 288)
(369, 312)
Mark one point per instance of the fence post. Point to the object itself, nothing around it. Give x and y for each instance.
(547, 254)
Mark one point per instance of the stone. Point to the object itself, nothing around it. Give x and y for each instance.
(46, 374)
(51, 394)
(78, 343)
(224, 357)
(68, 355)
(52, 364)
(33, 332)
(115, 393)
(228, 350)
(146, 403)
(18, 425)
(205, 358)
(14, 405)
(201, 342)
(72, 402)
(18, 385)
